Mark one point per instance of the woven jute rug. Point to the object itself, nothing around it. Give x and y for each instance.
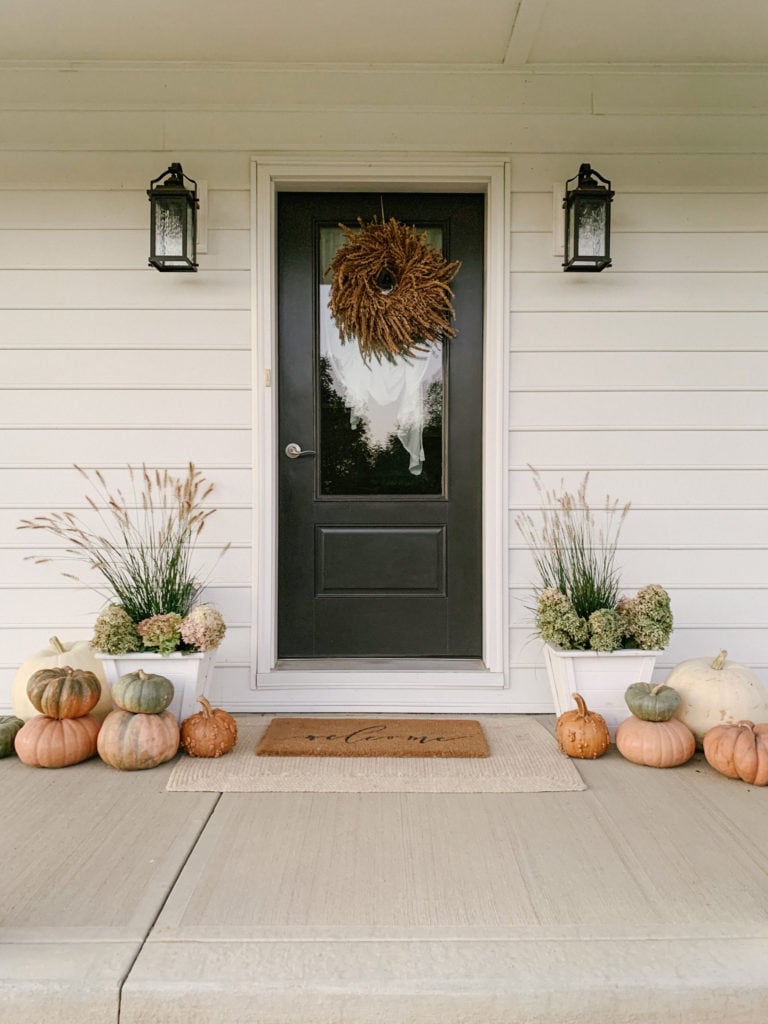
(373, 737)
(524, 758)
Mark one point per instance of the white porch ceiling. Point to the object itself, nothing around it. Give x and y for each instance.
(454, 32)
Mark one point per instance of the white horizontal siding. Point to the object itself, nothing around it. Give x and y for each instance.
(651, 375)
(112, 249)
(104, 362)
(127, 367)
(147, 329)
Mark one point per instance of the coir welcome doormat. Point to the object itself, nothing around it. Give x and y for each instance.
(373, 737)
(524, 759)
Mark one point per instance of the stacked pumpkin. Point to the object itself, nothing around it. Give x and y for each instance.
(652, 735)
(64, 732)
(58, 654)
(140, 733)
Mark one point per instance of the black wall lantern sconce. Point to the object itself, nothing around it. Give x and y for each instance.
(587, 208)
(173, 222)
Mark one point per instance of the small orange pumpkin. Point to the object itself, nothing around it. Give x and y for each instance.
(582, 733)
(655, 744)
(45, 742)
(739, 751)
(64, 692)
(210, 733)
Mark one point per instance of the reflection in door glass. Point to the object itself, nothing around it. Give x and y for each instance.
(381, 423)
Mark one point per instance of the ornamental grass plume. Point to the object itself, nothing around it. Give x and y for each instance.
(143, 542)
(574, 548)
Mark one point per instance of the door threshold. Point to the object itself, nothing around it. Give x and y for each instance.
(380, 665)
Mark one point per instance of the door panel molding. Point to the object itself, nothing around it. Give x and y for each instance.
(490, 175)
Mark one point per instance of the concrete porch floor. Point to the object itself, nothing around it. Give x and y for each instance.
(643, 900)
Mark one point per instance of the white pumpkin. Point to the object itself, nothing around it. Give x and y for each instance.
(717, 692)
(77, 655)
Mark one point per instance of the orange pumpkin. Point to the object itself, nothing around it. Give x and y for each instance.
(656, 744)
(64, 692)
(210, 733)
(45, 742)
(739, 751)
(582, 733)
(132, 742)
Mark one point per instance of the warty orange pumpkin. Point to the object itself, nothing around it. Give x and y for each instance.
(210, 733)
(582, 733)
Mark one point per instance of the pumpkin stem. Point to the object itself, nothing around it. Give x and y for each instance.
(655, 690)
(141, 674)
(747, 725)
(719, 663)
(207, 709)
(580, 704)
(56, 644)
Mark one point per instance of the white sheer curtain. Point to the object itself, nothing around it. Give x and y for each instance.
(388, 398)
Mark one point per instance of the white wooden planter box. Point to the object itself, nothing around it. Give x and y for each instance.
(601, 677)
(189, 674)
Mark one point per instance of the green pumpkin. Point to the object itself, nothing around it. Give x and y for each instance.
(652, 703)
(142, 693)
(9, 726)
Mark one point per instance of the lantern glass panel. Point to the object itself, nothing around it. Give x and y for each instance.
(169, 226)
(591, 228)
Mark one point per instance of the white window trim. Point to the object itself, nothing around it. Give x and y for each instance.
(397, 688)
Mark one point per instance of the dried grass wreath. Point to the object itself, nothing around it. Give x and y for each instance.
(390, 290)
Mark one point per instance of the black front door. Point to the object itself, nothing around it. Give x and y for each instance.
(380, 549)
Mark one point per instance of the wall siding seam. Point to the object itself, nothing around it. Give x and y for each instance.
(178, 349)
(626, 310)
(650, 350)
(672, 547)
(713, 587)
(629, 389)
(212, 584)
(578, 467)
(207, 389)
(205, 467)
(111, 428)
(635, 428)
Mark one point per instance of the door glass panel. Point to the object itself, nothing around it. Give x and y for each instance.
(381, 423)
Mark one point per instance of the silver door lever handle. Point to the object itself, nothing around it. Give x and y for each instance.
(294, 451)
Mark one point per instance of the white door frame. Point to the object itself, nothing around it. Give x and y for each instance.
(398, 687)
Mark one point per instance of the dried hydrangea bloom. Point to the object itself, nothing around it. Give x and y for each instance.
(558, 622)
(649, 617)
(203, 628)
(114, 632)
(161, 632)
(606, 630)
